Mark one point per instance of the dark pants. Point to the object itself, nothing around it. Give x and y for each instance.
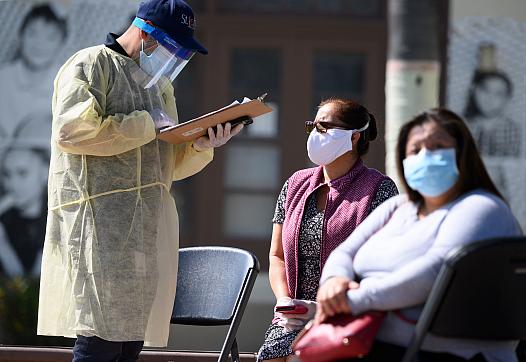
(385, 352)
(95, 349)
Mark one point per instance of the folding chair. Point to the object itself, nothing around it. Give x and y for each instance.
(213, 288)
(480, 293)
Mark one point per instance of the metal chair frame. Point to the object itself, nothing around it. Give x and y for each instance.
(196, 280)
(463, 303)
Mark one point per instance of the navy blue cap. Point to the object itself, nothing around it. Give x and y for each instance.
(175, 18)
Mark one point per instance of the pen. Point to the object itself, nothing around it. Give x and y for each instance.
(261, 97)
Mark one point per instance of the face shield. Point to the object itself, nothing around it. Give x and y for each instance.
(168, 59)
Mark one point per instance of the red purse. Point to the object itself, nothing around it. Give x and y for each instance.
(339, 337)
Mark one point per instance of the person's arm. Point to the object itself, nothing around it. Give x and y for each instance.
(188, 161)
(277, 275)
(192, 157)
(340, 261)
(474, 218)
(80, 125)
(338, 274)
(276, 270)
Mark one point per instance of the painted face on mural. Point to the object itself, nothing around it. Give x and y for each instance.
(24, 176)
(491, 96)
(41, 40)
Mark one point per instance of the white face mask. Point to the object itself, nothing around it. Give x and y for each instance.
(324, 148)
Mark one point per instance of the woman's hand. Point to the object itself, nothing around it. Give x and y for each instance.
(332, 297)
(294, 321)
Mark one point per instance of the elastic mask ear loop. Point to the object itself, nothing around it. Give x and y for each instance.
(358, 131)
(142, 45)
(363, 128)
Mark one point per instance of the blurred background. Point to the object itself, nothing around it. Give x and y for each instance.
(397, 57)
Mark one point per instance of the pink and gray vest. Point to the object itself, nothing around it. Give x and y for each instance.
(348, 204)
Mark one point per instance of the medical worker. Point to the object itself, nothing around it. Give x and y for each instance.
(110, 255)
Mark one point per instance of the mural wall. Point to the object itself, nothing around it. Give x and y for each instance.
(487, 85)
(38, 38)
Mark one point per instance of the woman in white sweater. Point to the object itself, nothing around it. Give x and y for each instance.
(391, 260)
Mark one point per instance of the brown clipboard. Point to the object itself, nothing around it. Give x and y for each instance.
(197, 127)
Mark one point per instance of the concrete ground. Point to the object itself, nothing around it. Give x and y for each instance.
(48, 354)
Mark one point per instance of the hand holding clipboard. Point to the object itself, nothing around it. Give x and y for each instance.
(234, 113)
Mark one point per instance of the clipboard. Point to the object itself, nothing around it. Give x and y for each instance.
(235, 112)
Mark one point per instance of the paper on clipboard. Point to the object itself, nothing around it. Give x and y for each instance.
(197, 127)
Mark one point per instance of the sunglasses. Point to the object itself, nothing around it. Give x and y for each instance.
(322, 128)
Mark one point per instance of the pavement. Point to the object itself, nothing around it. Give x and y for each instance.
(46, 354)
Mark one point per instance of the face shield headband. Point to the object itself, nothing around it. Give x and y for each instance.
(168, 59)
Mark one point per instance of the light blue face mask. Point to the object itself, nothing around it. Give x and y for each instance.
(159, 61)
(431, 173)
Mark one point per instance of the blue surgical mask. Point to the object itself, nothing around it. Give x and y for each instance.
(431, 173)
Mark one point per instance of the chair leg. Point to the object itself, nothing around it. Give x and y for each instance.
(234, 352)
(230, 344)
(412, 351)
(429, 311)
(228, 347)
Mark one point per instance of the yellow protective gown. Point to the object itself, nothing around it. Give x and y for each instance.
(110, 255)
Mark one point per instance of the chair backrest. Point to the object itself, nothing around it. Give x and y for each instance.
(480, 292)
(212, 282)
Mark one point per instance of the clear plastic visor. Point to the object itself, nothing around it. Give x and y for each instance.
(168, 59)
(165, 63)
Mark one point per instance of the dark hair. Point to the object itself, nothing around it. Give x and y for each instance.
(473, 173)
(354, 116)
(46, 13)
(479, 77)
